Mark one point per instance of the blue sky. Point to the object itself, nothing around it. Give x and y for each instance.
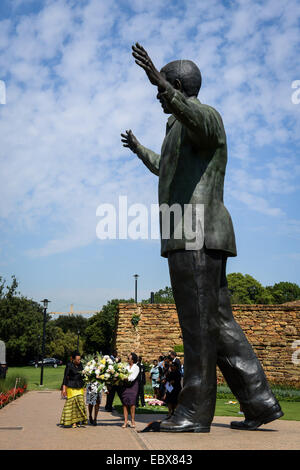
(72, 87)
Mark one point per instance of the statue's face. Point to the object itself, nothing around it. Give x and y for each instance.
(160, 96)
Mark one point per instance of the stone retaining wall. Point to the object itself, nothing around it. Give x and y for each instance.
(271, 329)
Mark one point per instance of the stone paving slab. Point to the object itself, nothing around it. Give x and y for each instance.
(278, 435)
(31, 421)
(38, 413)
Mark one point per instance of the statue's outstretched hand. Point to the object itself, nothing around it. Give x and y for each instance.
(129, 140)
(143, 60)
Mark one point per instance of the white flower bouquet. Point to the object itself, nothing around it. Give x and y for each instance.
(104, 371)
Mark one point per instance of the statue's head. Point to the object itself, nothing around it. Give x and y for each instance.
(183, 75)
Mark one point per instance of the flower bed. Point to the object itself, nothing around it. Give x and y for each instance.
(10, 395)
(153, 401)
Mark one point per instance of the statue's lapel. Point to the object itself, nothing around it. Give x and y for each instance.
(170, 122)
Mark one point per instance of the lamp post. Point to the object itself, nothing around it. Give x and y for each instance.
(136, 278)
(78, 333)
(45, 302)
(38, 351)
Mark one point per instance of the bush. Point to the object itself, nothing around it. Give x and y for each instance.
(282, 393)
(135, 320)
(178, 348)
(9, 383)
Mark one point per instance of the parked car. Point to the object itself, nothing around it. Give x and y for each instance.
(32, 363)
(48, 362)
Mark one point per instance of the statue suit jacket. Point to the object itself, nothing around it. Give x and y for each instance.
(191, 170)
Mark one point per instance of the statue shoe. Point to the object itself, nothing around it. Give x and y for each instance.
(183, 420)
(252, 424)
(172, 425)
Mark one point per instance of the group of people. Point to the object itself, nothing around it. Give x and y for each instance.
(166, 376)
(74, 412)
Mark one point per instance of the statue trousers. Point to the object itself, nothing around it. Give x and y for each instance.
(212, 337)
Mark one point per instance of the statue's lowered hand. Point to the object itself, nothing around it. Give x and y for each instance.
(129, 140)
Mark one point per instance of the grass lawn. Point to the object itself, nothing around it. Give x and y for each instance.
(291, 409)
(53, 379)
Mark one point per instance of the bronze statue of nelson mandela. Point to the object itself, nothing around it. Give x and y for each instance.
(191, 170)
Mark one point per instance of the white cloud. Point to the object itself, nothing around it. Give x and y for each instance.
(257, 203)
(73, 87)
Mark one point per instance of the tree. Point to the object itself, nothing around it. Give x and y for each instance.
(72, 323)
(21, 321)
(62, 334)
(60, 344)
(284, 292)
(244, 289)
(163, 296)
(100, 332)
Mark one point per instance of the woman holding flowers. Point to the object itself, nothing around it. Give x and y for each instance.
(74, 412)
(129, 391)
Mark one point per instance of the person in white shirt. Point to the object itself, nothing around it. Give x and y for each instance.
(129, 391)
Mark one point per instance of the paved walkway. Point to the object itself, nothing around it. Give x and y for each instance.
(31, 421)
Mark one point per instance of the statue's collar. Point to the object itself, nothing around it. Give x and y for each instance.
(171, 121)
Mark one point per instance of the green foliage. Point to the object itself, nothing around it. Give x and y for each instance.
(135, 320)
(21, 328)
(10, 382)
(282, 393)
(21, 321)
(60, 344)
(178, 348)
(284, 292)
(100, 332)
(73, 323)
(147, 366)
(163, 296)
(244, 289)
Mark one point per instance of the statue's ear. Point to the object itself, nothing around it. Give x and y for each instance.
(177, 84)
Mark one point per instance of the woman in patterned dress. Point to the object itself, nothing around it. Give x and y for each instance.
(93, 399)
(74, 411)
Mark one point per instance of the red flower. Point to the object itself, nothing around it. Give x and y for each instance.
(11, 395)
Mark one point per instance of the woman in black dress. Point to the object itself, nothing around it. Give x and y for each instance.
(173, 387)
(129, 391)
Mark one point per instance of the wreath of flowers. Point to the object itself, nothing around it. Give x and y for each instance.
(104, 371)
